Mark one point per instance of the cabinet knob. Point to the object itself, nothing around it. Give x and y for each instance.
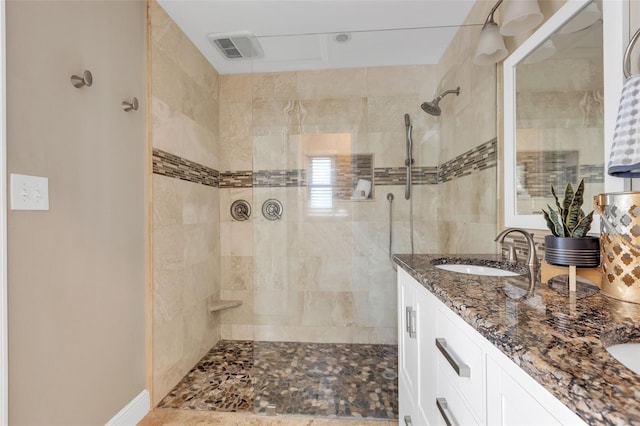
(407, 421)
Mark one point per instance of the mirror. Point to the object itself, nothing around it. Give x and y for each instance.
(555, 114)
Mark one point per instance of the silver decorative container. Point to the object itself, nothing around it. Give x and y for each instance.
(620, 244)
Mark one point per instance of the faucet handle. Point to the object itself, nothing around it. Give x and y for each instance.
(513, 255)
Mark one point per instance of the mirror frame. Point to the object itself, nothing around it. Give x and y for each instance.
(615, 33)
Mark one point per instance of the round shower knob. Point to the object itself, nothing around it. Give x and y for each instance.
(240, 210)
(272, 209)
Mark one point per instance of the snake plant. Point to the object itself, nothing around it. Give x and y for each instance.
(569, 220)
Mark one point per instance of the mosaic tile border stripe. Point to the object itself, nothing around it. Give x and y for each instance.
(171, 165)
(397, 175)
(237, 179)
(592, 173)
(479, 158)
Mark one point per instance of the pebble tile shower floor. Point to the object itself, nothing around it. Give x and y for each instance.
(317, 379)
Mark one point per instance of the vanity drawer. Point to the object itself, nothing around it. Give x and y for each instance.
(460, 359)
(450, 406)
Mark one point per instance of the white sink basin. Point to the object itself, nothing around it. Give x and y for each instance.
(476, 270)
(628, 354)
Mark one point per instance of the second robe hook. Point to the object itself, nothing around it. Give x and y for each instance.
(128, 106)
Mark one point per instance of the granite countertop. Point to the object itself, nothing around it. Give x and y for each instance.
(556, 340)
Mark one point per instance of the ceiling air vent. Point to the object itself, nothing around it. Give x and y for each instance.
(237, 45)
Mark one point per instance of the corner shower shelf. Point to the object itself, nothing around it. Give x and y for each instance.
(219, 305)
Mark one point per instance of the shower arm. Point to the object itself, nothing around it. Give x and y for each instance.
(446, 92)
(409, 161)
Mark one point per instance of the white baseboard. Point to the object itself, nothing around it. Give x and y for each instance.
(133, 412)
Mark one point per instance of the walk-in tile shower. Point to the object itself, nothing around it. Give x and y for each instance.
(317, 156)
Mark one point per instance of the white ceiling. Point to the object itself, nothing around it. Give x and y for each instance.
(300, 34)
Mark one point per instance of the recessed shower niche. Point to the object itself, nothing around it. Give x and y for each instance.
(333, 171)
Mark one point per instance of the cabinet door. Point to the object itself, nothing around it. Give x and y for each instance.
(406, 409)
(510, 404)
(427, 380)
(407, 345)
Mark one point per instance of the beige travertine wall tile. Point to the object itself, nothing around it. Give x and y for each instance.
(235, 122)
(274, 152)
(282, 85)
(338, 83)
(275, 116)
(409, 80)
(467, 213)
(235, 130)
(469, 224)
(186, 227)
(238, 332)
(236, 273)
(236, 88)
(326, 269)
(241, 315)
(333, 115)
(386, 113)
(186, 276)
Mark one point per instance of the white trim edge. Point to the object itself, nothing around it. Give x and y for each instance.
(134, 412)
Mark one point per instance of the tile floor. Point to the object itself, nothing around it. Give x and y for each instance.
(178, 417)
(338, 381)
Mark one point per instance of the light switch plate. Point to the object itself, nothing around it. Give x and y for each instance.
(29, 192)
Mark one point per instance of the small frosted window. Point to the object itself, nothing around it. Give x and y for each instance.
(321, 181)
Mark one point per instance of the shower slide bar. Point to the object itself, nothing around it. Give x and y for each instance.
(409, 161)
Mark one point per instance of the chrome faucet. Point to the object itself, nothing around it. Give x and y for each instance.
(532, 259)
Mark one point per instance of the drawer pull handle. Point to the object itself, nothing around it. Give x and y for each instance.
(413, 324)
(460, 367)
(410, 314)
(443, 407)
(407, 319)
(407, 421)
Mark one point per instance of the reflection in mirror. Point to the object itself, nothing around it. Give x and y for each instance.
(559, 113)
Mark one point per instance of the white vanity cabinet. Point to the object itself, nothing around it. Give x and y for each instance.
(451, 375)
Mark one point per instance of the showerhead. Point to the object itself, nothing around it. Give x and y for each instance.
(432, 107)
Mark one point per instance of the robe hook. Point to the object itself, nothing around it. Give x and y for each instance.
(85, 80)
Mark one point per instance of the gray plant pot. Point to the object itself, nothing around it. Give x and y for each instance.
(581, 252)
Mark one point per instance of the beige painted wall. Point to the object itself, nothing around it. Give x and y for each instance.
(186, 223)
(76, 272)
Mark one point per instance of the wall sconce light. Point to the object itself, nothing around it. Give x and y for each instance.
(520, 16)
(589, 16)
(491, 48)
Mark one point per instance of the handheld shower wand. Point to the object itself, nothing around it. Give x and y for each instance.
(409, 161)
